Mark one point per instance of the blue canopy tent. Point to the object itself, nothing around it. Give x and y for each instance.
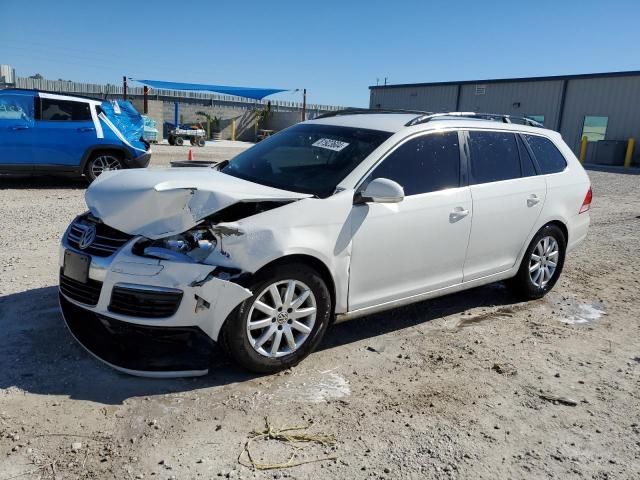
(247, 92)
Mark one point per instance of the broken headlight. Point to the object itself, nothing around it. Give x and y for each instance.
(191, 246)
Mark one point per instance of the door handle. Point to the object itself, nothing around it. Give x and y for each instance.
(20, 127)
(532, 200)
(86, 129)
(458, 214)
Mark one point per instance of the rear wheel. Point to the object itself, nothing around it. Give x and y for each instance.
(172, 140)
(541, 265)
(282, 322)
(102, 162)
(179, 141)
(200, 142)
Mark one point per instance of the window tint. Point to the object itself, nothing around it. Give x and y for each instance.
(528, 168)
(494, 156)
(547, 154)
(60, 110)
(425, 164)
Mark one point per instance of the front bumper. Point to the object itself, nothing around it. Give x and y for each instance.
(141, 161)
(134, 341)
(139, 349)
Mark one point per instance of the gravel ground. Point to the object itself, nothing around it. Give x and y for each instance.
(457, 387)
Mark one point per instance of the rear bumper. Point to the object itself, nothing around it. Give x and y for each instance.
(144, 350)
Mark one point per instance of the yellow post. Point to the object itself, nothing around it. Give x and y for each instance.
(628, 156)
(233, 129)
(583, 148)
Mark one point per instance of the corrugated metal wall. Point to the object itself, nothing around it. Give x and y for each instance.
(431, 99)
(521, 98)
(616, 97)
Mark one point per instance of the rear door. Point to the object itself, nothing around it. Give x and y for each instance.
(508, 196)
(419, 244)
(65, 130)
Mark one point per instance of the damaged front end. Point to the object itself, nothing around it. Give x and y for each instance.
(154, 304)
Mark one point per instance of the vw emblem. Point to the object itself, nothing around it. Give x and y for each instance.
(87, 237)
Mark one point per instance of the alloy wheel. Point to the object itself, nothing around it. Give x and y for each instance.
(281, 318)
(104, 163)
(544, 261)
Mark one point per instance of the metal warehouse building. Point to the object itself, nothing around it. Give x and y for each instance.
(604, 107)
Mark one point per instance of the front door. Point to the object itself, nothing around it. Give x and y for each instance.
(419, 244)
(507, 200)
(16, 128)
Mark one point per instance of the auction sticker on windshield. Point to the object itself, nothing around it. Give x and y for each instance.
(329, 144)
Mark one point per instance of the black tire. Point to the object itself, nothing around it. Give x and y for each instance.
(179, 141)
(235, 340)
(192, 141)
(200, 141)
(99, 161)
(172, 140)
(522, 284)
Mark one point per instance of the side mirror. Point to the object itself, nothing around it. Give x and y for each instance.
(381, 190)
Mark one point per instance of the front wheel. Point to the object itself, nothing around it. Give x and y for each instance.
(541, 265)
(102, 162)
(282, 322)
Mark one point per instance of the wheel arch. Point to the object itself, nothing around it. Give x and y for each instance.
(311, 261)
(91, 151)
(561, 225)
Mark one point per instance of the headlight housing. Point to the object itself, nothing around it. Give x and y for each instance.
(191, 246)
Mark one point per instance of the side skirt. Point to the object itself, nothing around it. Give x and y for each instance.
(343, 317)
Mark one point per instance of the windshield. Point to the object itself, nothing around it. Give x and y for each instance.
(306, 158)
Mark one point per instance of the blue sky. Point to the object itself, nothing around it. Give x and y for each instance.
(335, 49)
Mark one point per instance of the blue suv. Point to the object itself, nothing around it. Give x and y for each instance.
(43, 132)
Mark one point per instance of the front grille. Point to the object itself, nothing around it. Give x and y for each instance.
(144, 303)
(87, 293)
(108, 240)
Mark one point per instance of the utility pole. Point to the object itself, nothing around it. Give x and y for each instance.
(145, 105)
(124, 88)
(304, 104)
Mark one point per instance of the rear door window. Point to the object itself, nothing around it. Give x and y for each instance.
(64, 111)
(547, 154)
(494, 157)
(428, 163)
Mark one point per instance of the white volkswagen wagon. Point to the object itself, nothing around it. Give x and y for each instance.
(335, 218)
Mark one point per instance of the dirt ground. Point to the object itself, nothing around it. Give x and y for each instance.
(460, 387)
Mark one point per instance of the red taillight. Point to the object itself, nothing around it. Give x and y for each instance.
(587, 201)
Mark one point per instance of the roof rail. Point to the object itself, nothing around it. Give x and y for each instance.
(77, 95)
(486, 116)
(372, 111)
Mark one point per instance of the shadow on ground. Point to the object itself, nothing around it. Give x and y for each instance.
(28, 182)
(39, 355)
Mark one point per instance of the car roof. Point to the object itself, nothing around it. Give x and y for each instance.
(395, 122)
(33, 91)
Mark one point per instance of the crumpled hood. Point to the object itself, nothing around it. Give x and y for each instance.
(157, 203)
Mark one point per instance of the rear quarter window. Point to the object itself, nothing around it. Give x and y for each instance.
(547, 154)
(64, 111)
